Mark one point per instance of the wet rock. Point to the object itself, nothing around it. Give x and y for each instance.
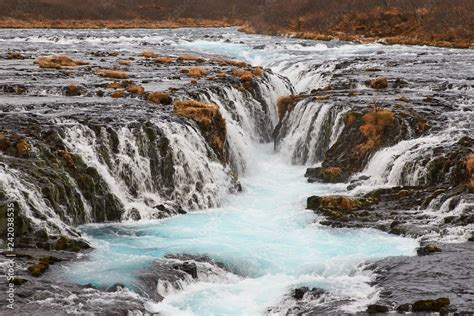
(134, 215)
(428, 250)
(377, 309)
(300, 292)
(404, 308)
(189, 268)
(19, 281)
(436, 305)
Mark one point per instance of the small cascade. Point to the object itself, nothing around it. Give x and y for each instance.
(142, 175)
(306, 75)
(29, 203)
(406, 163)
(250, 116)
(309, 130)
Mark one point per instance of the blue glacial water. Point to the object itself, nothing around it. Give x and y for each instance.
(264, 236)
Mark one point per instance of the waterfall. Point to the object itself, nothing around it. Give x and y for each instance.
(309, 130)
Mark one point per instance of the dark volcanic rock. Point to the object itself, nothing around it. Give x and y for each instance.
(421, 280)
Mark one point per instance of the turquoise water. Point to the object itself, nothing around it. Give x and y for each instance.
(264, 236)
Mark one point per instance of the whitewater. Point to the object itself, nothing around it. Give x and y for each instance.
(262, 243)
(265, 238)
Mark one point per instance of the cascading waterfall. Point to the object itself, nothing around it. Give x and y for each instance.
(259, 245)
(309, 130)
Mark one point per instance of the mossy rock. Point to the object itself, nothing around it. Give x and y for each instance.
(38, 269)
(428, 250)
(431, 305)
(377, 309)
(18, 281)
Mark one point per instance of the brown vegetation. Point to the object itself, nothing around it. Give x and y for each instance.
(123, 62)
(147, 54)
(72, 90)
(440, 23)
(197, 72)
(470, 163)
(191, 58)
(163, 59)
(118, 94)
(57, 62)
(136, 89)
(210, 121)
(378, 83)
(160, 98)
(112, 73)
(22, 147)
(285, 104)
(331, 173)
(350, 118)
(375, 122)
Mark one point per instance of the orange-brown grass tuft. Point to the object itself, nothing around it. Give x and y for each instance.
(258, 71)
(210, 121)
(470, 163)
(137, 89)
(160, 98)
(350, 118)
(72, 89)
(118, 94)
(163, 60)
(191, 58)
(113, 85)
(123, 62)
(111, 73)
(244, 75)
(375, 122)
(343, 203)
(285, 104)
(57, 62)
(379, 83)
(22, 147)
(197, 72)
(147, 54)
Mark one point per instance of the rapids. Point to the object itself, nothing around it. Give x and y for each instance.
(264, 237)
(262, 242)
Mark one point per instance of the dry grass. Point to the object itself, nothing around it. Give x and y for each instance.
(258, 71)
(375, 122)
(350, 118)
(112, 73)
(229, 62)
(123, 62)
(198, 111)
(221, 75)
(57, 62)
(113, 85)
(379, 83)
(197, 72)
(470, 163)
(191, 58)
(210, 121)
(163, 60)
(136, 89)
(72, 90)
(160, 98)
(22, 147)
(118, 94)
(285, 104)
(244, 75)
(147, 54)
(343, 203)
